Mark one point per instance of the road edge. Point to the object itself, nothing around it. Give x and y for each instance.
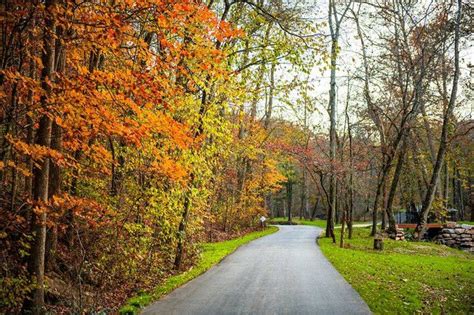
(138, 302)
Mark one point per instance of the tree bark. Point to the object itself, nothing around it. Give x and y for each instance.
(393, 189)
(332, 141)
(53, 190)
(334, 27)
(343, 228)
(54, 169)
(446, 185)
(181, 233)
(303, 204)
(313, 213)
(384, 205)
(289, 198)
(470, 196)
(34, 303)
(268, 113)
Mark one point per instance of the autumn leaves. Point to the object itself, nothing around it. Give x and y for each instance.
(118, 143)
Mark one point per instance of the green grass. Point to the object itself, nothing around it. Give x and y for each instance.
(315, 222)
(466, 222)
(406, 277)
(212, 253)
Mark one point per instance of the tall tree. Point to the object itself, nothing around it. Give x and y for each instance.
(335, 22)
(443, 145)
(36, 265)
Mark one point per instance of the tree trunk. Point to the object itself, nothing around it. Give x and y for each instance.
(446, 185)
(303, 196)
(35, 302)
(14, 187)
(289, 198)
(392, 228)
(54, 189)
(54, 168)
(343, 226)
(384, 205)
(181, 233)
(30, 139)
(313, 213)
(332, 142)
(375, 209)
(382, 178)
(334, 27)
(268, 113)
(427, 202)
(470, 196)
(351, 185)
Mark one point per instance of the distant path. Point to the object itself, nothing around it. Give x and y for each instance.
(282, 273)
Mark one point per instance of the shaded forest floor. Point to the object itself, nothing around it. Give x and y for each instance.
(406, 277)
(65, 296)
(211, 254)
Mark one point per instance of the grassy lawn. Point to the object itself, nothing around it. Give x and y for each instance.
(407, 277)
(466, 222)
(212, 253)
(315, 222)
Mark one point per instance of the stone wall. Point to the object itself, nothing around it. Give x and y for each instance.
(459, 236)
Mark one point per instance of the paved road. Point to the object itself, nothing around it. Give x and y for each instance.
(282, 273)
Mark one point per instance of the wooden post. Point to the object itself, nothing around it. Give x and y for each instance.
(378, 242)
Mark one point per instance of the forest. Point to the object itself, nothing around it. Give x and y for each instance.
(133, 131)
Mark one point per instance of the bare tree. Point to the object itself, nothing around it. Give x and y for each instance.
(335, 22)
(430, 193)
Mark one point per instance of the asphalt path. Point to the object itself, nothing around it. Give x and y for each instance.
(282, 273)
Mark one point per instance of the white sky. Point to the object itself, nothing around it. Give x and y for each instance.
(348, 61)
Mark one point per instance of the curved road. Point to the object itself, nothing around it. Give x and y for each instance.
(282, 273)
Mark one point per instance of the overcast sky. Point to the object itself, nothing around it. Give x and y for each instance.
(349, 60)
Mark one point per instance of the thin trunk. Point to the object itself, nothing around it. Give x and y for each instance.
(470, 196)
(376, 206)
(30, 138)
(289, 198)
(54, 190)
(426, 206)
(384, 206)
(35, 302)
(351, 186)
(446, 185)
(303, 195)
(460, 194)
(334, 22)
(393, 189)
(332, 142)
(343, 227)
(428, 132)
(382, 178)
(375, 116)
(268, 114)
(14, 185)
(54, 168)
(315, 208)
(349, 207)
(181, 235)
